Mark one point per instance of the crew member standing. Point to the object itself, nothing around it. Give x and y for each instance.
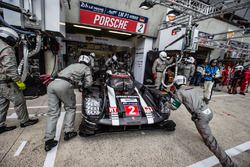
(62, 90)
(189, 68)
(235, 80)
(158, 67)
(201, 116)
(112, 63)
(92, 59)
(11, 85)
(211, 72)
(245, 80)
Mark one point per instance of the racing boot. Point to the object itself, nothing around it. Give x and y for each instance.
(242, 93)
(29, 123)
(49, 144)
(6, 129)
(69, 135)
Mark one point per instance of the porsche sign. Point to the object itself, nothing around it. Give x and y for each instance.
(95, 15)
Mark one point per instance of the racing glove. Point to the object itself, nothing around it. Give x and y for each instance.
(21, 85)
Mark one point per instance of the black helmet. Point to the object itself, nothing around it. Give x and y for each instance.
(213, 61)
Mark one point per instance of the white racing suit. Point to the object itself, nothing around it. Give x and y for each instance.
(62, 90)
(157, 69)
(9, 91)
(202, 115)
(92, 61)
(187, 70)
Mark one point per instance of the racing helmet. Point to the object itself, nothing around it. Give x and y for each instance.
(238, 68)
(92, 54)
(190, 60)
(84, 59)
(213, 61)
(109, 72)
(163, 55)
(180, 80)
(9, 36)
(114, 57)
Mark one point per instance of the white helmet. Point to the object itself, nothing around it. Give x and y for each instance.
(10, 36)
(84, 59)
(109, 72)
(114, 57)
(180, 80)
(92, 54)
(239, 68)
(190, 60)
(163, 55)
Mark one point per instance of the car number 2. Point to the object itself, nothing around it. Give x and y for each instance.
(131, 110)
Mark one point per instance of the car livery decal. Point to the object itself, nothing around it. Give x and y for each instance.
(128, 100)
(148, 110)
(113, 107)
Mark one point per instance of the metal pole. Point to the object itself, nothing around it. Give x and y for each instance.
(43, 15)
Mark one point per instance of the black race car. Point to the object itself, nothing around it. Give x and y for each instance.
(121, 103)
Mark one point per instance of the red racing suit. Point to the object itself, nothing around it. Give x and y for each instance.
(245, 80)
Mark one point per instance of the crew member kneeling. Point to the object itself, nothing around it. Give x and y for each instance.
(61, 90)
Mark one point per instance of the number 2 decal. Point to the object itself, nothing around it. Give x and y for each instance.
(140, 28)
(132, 110)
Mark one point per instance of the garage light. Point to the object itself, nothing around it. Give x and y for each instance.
(90, 28)
(61, 23)
(117, 32)
(147, 4)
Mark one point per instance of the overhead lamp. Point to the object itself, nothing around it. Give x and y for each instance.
(122, 33)
(86, 27)
(61, 23)
(147, 4)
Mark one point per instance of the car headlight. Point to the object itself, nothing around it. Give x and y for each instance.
(92, 106)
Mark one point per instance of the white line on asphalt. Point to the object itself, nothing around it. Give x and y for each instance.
(211, 161)
(51, 155)
(221, 95)
(35, 107)
(20, 148)
(14, 116)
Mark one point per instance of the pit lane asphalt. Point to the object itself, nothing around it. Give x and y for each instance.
(230, 126)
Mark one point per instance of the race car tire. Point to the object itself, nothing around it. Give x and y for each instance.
(86, 129)
(168, 125)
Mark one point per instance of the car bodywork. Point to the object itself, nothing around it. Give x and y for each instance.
(122, 103)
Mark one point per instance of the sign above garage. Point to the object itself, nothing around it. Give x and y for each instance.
(96, 15)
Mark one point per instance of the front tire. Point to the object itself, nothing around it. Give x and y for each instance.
(86, 129)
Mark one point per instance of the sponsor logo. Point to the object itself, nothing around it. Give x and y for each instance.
(100, 16)
(113, 109)
(110, 22)
(148, 109)
(129, 100)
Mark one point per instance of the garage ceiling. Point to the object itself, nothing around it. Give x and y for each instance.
(241, 17)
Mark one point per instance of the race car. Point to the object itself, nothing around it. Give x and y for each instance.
(122, 103)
